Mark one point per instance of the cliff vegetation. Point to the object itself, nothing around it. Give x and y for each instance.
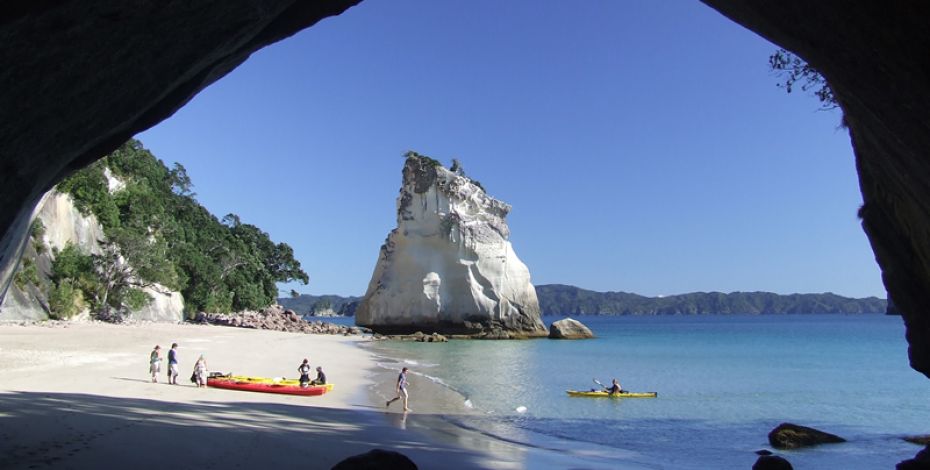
(152, 220)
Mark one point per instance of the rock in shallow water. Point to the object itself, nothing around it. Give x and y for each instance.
(793, 436)
(449, 267)
(569, 328)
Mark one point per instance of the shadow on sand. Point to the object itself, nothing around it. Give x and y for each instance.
(39, 430)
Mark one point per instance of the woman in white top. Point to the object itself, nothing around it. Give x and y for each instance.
(200, 372)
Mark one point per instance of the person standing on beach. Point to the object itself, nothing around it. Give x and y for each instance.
(401, 390)
(304, 369)
(155, 363)
(173, 364)
(200, 372)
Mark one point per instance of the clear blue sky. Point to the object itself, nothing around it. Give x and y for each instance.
(643, 145)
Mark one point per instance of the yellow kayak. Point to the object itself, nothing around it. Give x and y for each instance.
(603, 394)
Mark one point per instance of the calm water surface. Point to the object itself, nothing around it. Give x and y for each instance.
(723, 381)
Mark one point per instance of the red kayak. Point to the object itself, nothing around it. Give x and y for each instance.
(266, 385)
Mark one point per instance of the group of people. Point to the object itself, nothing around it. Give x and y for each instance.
(199, 375)
(304, 370)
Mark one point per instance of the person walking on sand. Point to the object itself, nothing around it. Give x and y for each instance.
(200, 372)
(173, 364)
(155, 363)
(401, 390)
(304, 369)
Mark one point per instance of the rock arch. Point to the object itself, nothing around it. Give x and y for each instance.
(79, 79)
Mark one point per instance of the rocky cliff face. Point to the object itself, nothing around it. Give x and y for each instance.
(873, 56)
(65, 224)
(448, 267)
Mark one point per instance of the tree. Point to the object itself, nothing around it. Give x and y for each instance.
(166, 237)
(181, 183)
(120, 287)
(295, 294)
(797, 72)
(457, 167)
(74, 282)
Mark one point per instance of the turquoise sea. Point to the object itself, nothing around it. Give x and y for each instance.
(723, 381)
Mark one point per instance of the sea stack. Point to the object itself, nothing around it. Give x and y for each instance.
(449, 267)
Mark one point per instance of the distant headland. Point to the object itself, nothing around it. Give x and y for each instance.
(560, 299)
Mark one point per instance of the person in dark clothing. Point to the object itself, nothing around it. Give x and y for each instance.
(320, 377)
(614, 388)
(173, 364)
(304, 369)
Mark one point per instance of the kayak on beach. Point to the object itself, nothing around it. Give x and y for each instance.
(266, 385)
(604, 394)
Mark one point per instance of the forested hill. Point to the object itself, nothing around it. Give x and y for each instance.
(151, 218)
(559, 299)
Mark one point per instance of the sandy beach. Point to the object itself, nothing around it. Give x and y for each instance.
(79, 396)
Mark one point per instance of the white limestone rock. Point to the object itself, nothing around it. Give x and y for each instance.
(65, 224)
(449, 267)
(569, 328)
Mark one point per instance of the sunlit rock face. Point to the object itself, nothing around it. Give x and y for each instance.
(64, 224)
(449, 267)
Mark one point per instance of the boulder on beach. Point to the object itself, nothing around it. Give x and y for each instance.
(793, 436)
(569, 328)
(376, 459)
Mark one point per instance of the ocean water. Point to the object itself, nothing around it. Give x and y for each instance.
(723, 382)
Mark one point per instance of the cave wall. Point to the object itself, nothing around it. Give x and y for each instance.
(80, 78)
(875, 57)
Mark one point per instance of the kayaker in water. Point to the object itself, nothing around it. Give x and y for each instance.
(614, 388)
(304, 369)
(320, 377)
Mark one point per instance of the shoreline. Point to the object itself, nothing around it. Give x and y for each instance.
(440, 414)
(79, 395)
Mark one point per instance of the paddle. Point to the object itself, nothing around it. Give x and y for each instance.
(599, 383)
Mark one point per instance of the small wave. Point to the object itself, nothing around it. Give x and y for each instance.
(436, 380)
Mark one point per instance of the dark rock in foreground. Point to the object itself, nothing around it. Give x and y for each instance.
(793, 436)
(921, 461)
(772, 462)
(569, 329)
(377, 459)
